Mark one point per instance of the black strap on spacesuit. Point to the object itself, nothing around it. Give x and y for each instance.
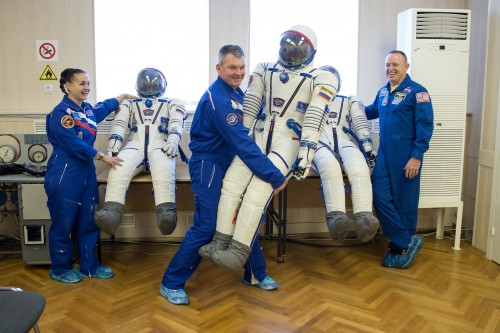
(140, 113)
(157, 113)
(296, 91)
(146, 144)
(271, 127)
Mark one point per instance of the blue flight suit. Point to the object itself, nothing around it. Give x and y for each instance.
(71, 182)
(406, 125)
(217, 135)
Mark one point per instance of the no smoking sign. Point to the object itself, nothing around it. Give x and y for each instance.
(46, 50)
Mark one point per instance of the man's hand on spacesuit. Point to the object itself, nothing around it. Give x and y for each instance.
(305, 157)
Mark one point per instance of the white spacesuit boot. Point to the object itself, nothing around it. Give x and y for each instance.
(366, 226)
(338, 225)
(108, 218)
(166, 217)
(220, 242)
(234, 257)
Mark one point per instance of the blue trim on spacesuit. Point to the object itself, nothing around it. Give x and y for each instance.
(406, 126)
(217, 135)
(71, 185)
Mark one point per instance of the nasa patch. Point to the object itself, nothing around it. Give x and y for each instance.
(232, 119)
(89, 113)
(67, 122)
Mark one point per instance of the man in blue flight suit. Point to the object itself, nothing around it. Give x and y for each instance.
(217, 135)
(405, 114)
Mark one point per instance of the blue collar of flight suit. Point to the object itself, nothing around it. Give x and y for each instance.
(71, 104)
(236, 94)
(405, 83)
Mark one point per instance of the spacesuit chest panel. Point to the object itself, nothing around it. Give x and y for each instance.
(290, 97)
(147, 113)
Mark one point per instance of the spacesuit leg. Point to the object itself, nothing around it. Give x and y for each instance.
(109, 217)
(233, 187)
(354, 164)
(163, 177)
(255, 201)
(332, 186)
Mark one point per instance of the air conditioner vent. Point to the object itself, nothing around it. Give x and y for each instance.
(39, 127)
(442, 25)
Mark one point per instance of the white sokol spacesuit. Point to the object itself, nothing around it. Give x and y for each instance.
(339, 147)
(156, 125)
(294, 97)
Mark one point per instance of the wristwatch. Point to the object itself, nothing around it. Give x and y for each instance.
(101, 156)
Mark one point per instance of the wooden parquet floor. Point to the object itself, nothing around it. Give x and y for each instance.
(323, 289)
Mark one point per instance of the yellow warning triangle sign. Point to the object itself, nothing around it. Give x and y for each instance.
(48, 74)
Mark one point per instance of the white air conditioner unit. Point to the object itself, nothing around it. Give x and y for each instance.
(436, 42)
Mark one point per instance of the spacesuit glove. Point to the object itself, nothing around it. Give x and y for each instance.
(114, 145)
(172, 147)
(372, 158)
(305, 157)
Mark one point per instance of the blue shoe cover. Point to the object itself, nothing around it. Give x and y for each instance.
(174, 296)
(405, 258)
(267, 284)
(416, 243)
(70, 276)
(103, 272)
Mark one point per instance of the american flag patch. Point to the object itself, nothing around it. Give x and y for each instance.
(422, 97)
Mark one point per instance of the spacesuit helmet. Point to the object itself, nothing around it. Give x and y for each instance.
(297, 47)
(150, 83)
(335, 72)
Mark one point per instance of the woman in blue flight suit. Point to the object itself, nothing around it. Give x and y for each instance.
(70, 181)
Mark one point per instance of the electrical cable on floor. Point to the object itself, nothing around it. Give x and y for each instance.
(312, 241)
(114, 241)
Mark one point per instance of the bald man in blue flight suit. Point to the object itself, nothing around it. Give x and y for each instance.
(406, 118)
(217, 135)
